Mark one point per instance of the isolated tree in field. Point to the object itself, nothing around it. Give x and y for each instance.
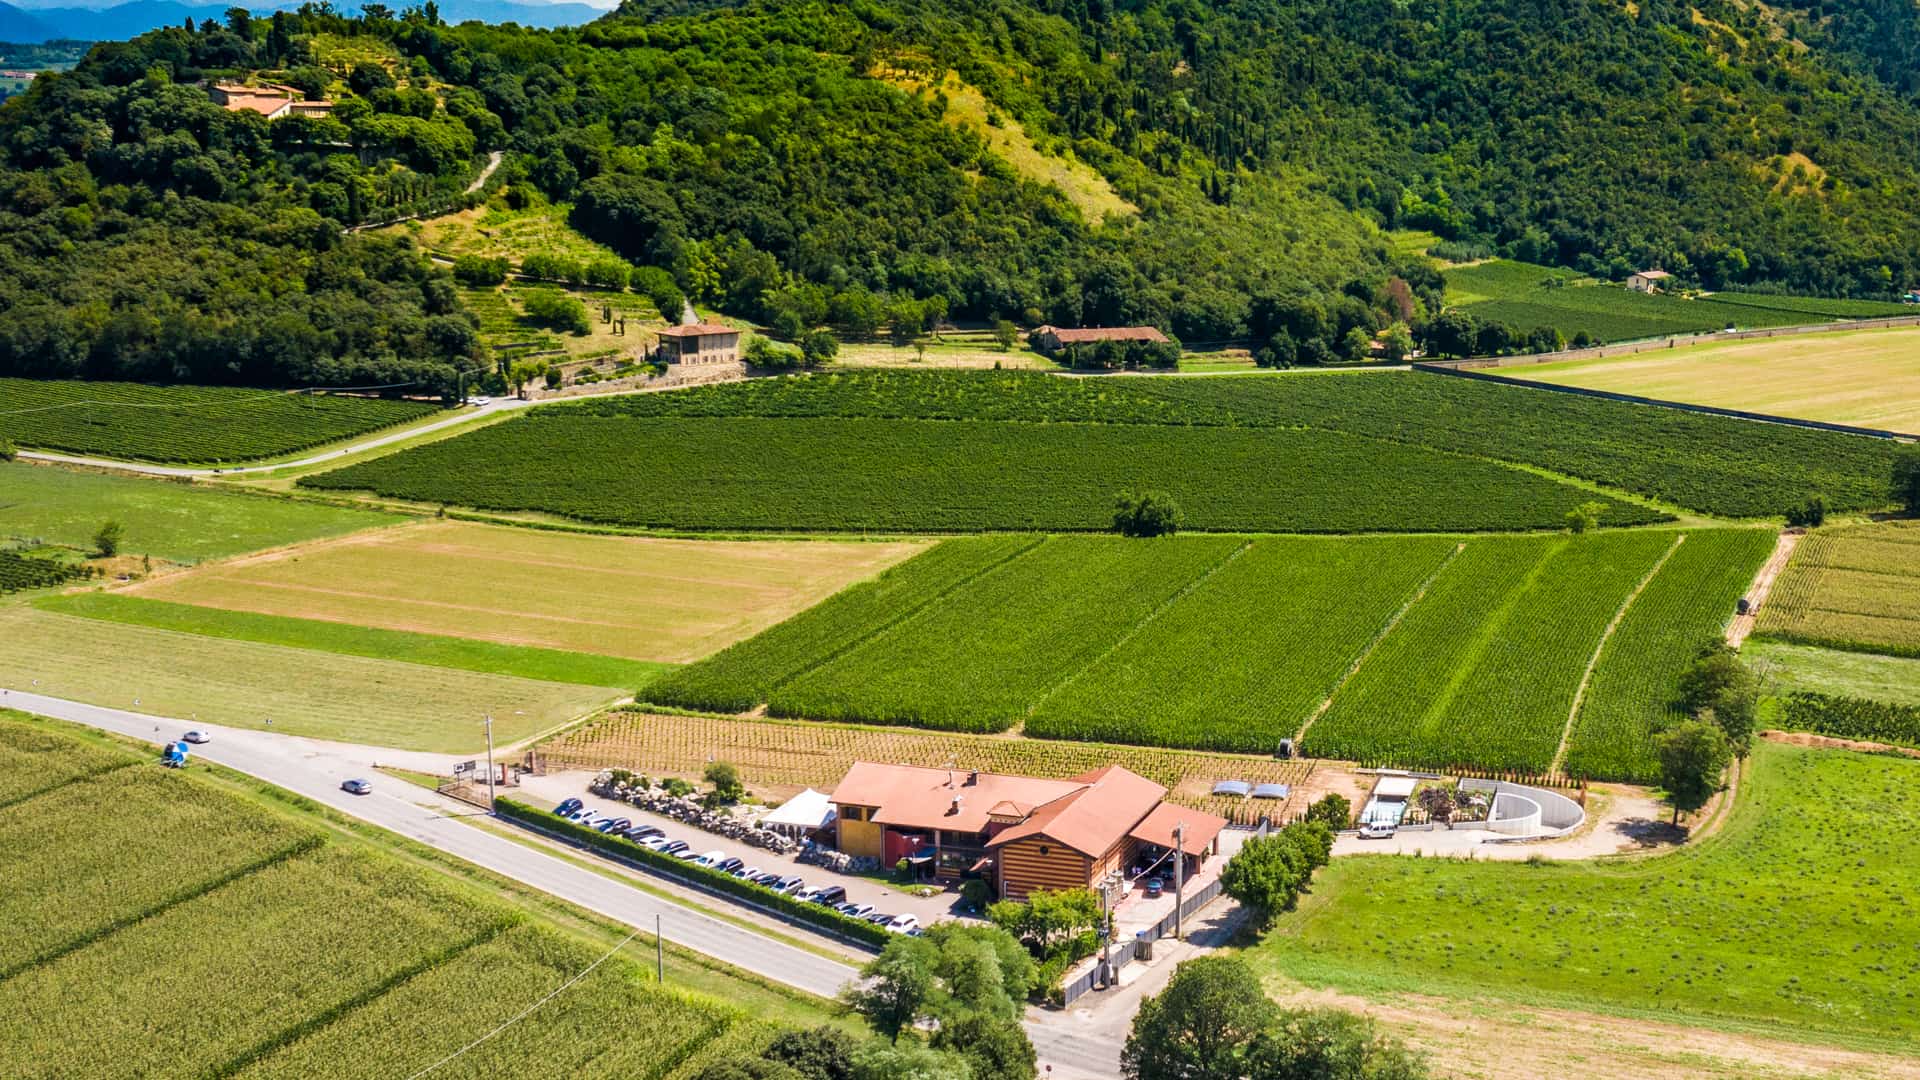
(1265, 875)
(1201, 1026)
(725, 781)
(1722, 689)
(1809, 515)
(1585, 517)
(1151, 514)
(1693, 754)
(1005, 334)
(1906, 479)
(1331, 1044)
(107, 540)
(819, 347)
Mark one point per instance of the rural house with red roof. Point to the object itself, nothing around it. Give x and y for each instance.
(1018, 833)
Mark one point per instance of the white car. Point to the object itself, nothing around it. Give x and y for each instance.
(903, 924)
(748, 873)
(1377, 830)
(478, 400)
(195, 737)
(711, 858)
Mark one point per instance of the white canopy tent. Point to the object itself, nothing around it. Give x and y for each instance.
(800, 815)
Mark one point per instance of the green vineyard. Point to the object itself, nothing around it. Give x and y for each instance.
(1686, 606)
(1027, 450)
(1405, 651)
(21, 572)
(1855, 588)
(207, 424)
(355, 964)
(961, 476)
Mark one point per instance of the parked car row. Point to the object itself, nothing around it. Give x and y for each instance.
(655, 838)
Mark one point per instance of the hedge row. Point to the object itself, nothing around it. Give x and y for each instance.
(704, 877)
(1851, 718)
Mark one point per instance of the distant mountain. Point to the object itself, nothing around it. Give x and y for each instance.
(122, 21)
(18, 25)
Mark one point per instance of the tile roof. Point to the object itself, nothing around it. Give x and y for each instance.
(912, 797)
(697, 330)
(1157, 829)
(1103, 333)
(1094, 818)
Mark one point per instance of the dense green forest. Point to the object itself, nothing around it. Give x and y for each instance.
(801, 164)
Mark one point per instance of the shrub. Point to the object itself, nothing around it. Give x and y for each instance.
(1151, 514)
(557, 310)
(479, 271)
(107, 540)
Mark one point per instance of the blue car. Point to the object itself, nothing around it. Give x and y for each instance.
(567, 808)
(614, 825)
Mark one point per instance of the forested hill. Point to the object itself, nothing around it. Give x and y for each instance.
(1223, 170)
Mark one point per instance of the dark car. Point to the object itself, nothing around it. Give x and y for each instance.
(357, 787)
(829, 896)
(1155, 887)
(567, 808)
(641, 832)
(614, 825)
(729, 864)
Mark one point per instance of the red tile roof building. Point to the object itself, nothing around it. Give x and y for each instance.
(1019, 833)
(1048, 339)
(700, 343)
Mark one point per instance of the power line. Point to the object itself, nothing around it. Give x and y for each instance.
(524, 1013)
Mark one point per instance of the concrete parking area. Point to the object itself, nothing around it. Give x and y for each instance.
(882, 894)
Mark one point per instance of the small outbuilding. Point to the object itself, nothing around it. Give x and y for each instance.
(801, 816)
(1051, 339)
(1648, 281)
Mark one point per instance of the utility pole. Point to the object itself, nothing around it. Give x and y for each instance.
(1179, 874)
(489, 763)
(1106, 938)
(659, 952)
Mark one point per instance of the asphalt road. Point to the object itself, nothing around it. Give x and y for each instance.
(1075, 1047)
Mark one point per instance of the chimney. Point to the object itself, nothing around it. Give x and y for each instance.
(973, 777)
(955, 808)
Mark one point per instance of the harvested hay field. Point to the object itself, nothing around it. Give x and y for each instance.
(1867, 378)
(669, 601)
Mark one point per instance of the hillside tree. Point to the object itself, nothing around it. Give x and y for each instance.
(1693, 755)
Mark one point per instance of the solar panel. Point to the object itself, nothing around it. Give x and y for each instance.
(1232, 787)
(1271, 791)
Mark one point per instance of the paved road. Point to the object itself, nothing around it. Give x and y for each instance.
(458, 416)
(1075, 1045)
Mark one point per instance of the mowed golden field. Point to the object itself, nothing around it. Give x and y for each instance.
(1867, 378)
(640, 598)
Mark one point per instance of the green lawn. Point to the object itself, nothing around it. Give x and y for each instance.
(297, 691)
(1840, 674)
(166, 519)
(1796, 916)
(521, 661)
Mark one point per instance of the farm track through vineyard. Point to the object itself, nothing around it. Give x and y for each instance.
(1214, 643)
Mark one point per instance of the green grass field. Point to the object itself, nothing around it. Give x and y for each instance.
(302, 691)
(1795, 918)
(208, 424)
(1866, 378)
(465, 654)
(1854, 587)
(1526, 296)
(1424, 651)
(274, 944)
(1835, 672)
(167, 520)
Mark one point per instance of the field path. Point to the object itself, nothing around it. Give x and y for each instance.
(1742, 625)
(1360, 661)
(1586, 677)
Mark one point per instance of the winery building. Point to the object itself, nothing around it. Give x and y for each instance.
(1018, 833)
(700, 343)
(1051, 339)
